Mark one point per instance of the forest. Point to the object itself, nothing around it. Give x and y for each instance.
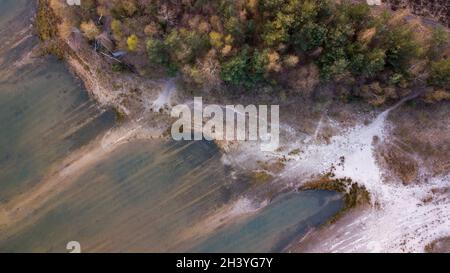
(251, 43)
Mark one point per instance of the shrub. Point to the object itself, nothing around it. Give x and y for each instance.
(116, 27)
(123, 8)
(311, 36)
(333, 63)
(277, 31)
(237, 29)
(129, 6)
(401, 47)
(235, 70)
(133, 42)
(156, 52)
(365, 61)
(439, 39)
(216, 39)
(119, 67)
(151, 29)
(185, 46)
(196, 45)
(90, 30)
(440, 74)
(243, 70)
(358, 14)
(87, 9)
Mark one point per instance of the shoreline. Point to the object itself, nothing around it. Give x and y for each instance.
(103, 88)
(98, 89)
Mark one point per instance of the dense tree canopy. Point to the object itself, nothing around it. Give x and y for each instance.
(250, 42)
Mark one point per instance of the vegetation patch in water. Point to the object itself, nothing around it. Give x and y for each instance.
(354, 194)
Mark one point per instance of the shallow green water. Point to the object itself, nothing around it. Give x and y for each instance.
(272, 229)
(9, 8)
(37, 115)
(146, 194)
(143, 197)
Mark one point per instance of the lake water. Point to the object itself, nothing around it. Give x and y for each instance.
(144, 197)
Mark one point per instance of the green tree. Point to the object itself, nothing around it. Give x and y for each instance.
(156, 52)
(365, 61)
(234, 71)
(197, 45)
(310, 37)
(401, 47)
(185, 46)
(244, 69)
(159, 54)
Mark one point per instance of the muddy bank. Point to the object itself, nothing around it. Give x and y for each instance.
(439, 246)
(320, 240)
(411, 195)
(422, 134)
